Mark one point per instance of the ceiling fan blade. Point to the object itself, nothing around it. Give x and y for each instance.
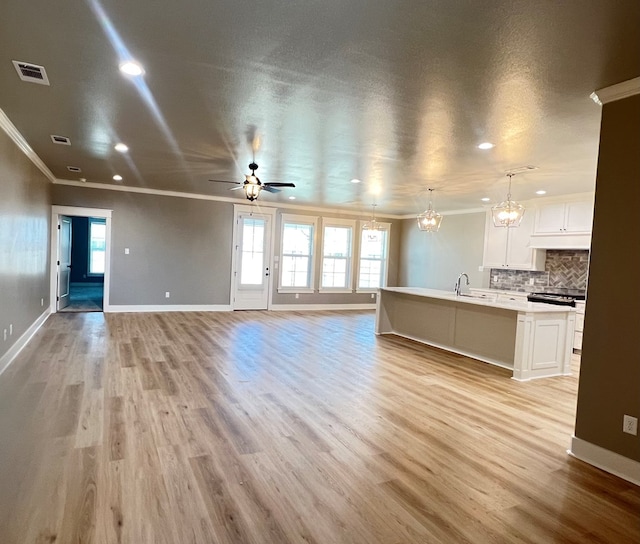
(270, 189)
(278, 184)
(226, 181)
(236, 188)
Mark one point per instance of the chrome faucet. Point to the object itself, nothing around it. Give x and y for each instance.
(458, 285)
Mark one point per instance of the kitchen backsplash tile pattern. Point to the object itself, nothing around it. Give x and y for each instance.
(563, 268)
(567, 268)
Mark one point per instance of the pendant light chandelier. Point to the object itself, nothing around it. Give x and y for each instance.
(429, 220)
(508, 213)
(372, 225)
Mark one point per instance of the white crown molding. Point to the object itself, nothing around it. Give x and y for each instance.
(18, 139)
(607, 460)
(619, 91)
(196, 196)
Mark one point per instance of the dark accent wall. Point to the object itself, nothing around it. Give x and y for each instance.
(610, 367)
(80, 252)
(25, 216)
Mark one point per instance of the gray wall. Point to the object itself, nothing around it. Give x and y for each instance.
(180, 245)
(338, 298)
(435, 260)
(25, 217)
(610, 366)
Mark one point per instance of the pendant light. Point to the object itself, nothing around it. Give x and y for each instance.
(372, 225)
(429, 220)
(508, 213)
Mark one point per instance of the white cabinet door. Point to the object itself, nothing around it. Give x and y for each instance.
(550, 219)
(578, 216)
(509, 247)
(565, 218)
(495, 245)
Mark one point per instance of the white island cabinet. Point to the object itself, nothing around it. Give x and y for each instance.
(534, 340)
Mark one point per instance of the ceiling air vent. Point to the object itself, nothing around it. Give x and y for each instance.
(73, 169)
(31, 72)
(61, 140)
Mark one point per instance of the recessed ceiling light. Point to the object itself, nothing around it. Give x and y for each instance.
(117, 177)
(131, 68)
(292, 198)
(123, 148)
(541, 192)
(485, 199)
(356, 180)
(485, 145)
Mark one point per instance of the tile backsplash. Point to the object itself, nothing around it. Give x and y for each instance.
(563, 268)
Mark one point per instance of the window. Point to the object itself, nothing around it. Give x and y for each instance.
(336, 255)
(252, 263)
(97, 245)
(372, 269)
(296, 256)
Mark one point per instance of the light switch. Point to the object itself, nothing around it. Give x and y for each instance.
(126, 251)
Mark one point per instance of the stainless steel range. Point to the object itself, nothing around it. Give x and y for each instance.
(560, 297)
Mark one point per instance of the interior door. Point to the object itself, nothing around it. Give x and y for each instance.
(252, 261)
(64, 261)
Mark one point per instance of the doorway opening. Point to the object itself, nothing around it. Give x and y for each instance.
(80, 264)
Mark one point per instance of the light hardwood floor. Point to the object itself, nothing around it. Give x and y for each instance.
(255, 427)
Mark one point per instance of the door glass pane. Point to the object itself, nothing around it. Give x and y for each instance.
(252, 252)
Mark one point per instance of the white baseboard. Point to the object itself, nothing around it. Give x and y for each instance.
(167, 308)
(607, 460)
(21, 342)
(304, 307)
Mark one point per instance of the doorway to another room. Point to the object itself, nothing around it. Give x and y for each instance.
(80, 259)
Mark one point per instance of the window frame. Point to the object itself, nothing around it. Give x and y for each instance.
(385, 265)
(307, 220)
(339, 223)
(97, 221)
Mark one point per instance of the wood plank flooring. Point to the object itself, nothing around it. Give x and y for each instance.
(285, 427)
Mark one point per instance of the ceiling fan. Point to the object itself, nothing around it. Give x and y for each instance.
(253, 186)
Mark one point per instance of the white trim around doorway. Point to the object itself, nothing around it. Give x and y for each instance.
(74, 211)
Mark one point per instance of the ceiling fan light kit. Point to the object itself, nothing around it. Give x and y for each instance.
(429, 220)
(252, 185)
(508, 213)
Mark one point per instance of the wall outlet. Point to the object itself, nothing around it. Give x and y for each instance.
(42, 303)
(630, 425)
(167, 294)
(480, 268)
(373, 295)
(297, 295)
(5, 335)
(126, 251)
(495, 279)
(10, 329)
(531, 281)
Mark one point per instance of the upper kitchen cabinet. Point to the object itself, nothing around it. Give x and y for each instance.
(509, 247)
(564, 218)
(563, 225)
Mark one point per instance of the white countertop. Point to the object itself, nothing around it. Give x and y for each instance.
(530, 307)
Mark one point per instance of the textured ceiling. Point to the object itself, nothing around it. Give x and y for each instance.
(396, 93)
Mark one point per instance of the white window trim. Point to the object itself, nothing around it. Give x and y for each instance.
(331, 222)
(299, 220)
(383, 226)
(99, 221)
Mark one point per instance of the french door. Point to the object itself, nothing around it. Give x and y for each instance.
(252, 260)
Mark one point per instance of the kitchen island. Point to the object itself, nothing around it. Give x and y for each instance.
(532, 339)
